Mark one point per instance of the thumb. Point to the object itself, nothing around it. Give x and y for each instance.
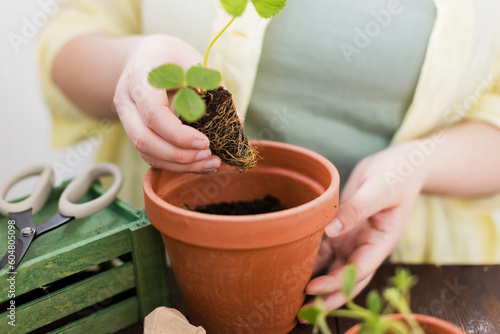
(364, 203)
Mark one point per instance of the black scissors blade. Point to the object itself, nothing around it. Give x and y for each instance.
(23, 221)
(14, 256)
(55, 221)
(24, 244)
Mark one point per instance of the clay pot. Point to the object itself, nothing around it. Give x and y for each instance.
(429, 324)
(245, 274)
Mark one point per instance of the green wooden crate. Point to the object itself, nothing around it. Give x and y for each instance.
(56, 291)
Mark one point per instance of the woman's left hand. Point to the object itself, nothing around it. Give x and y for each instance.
(375, 206)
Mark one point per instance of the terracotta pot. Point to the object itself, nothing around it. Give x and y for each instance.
(245, 274)
(429, 324)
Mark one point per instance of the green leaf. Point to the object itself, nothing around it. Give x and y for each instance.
(393, 296)
(189, 105)
(168, 76)
(309, 314)
(268, 8)
(349, 281)
(234, 7)
(374, 302)
(312, 313)
(403, 281)
(396, 300)
(203, 78)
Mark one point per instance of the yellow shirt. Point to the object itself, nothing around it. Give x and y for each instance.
(458, 81)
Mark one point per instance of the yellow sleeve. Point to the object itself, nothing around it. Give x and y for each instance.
(78, 17)
(487, 108)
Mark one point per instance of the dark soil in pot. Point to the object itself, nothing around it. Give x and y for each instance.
(265, 205)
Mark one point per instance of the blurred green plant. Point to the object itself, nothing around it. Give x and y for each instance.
(395, 298)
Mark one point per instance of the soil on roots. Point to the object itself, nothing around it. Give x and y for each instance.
(222, 126)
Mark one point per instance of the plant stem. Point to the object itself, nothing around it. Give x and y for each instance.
(393, 326)
(205, 59)
(415, 327)
(350, 305)
(323, 326)
(348, 314)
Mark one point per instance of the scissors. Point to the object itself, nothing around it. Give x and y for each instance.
(69, 208)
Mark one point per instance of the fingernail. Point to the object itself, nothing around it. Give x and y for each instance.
(203, 155)
(200, 144)
(302, 321)
(333, 228)
(212, 164)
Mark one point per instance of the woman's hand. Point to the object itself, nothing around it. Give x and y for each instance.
(371, 219)
(146, 112)
(379, 196)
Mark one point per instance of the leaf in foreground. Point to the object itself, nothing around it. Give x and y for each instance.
(203, 78)
(189, 105)
(234, 7)
(168, 76)
(309, 314)
(349, 281)
(374, 302)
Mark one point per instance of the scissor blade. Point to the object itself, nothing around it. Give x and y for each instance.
(56, 220)
(11, 255)
(20, 247)
(22, 219)
(24, 244)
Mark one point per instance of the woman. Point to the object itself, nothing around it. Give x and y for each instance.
(400, 95)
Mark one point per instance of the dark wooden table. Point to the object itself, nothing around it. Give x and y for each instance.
(468, 296)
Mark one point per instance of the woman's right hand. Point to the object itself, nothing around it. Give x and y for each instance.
(146, 112)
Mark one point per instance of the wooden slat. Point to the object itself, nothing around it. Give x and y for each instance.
(148, 254)
(109, 320)
(425, 296)
(71, 299)
(474, 292)
(67, 261)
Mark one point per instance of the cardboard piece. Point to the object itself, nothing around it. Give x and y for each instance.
(164, 320)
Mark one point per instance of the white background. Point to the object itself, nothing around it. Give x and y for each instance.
(24, 116)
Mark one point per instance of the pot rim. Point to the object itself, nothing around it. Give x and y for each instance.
(330, 191)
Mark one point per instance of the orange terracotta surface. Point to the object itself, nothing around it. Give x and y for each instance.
(245, 274)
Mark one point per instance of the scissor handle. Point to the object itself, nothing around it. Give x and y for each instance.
(39, 194)
(81, 184)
